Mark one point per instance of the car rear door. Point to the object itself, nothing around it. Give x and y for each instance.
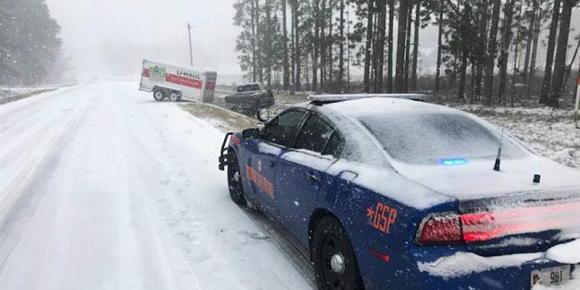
(261, 165)
(301, 173)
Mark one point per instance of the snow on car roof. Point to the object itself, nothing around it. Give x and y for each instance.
(371, 106)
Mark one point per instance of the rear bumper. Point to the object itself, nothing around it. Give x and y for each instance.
(510, 272)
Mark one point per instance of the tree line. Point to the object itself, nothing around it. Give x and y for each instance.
(487, 50)
(29, 42)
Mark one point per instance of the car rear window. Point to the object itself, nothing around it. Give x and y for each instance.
(248, 88)
(426, 138)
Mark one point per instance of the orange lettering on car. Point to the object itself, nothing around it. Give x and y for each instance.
(381, 217)
(260, 181)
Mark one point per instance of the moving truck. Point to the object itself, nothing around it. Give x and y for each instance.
(177, 83)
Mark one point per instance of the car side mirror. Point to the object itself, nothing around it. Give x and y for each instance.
(252, 133)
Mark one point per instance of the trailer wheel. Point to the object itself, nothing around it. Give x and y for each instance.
(174, 96)
(158, 95)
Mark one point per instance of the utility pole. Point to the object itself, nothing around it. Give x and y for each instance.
(190, 47)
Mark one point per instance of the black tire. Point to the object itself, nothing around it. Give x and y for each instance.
(333, 257)
(174, 96)
(235, 180)
(158, 95)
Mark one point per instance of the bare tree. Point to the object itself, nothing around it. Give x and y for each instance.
(491, 52)
(560, 62)
(401, 40)
(550, 52)
(368, 45)
(505, 48)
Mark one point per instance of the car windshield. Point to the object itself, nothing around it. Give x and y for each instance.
(434, 137)
(248, 88)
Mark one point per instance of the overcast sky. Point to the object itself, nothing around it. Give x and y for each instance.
(111, 37)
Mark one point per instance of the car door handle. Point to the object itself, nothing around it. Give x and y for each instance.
(312, 178)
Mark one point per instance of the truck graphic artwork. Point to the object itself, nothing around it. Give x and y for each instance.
(157, 73)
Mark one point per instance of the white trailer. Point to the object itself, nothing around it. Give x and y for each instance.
(177, 83)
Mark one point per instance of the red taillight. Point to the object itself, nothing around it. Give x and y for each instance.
(145, 72)
(452, 228)
(441, 229)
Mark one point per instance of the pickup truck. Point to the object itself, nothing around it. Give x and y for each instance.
(250, 98)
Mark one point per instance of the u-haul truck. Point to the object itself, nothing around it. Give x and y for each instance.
(176, 83)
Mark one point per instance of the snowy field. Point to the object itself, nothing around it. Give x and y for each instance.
(103, 188)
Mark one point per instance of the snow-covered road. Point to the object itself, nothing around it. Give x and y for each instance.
(102, 188)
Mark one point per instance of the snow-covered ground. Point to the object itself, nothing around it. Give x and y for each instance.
(102, 188)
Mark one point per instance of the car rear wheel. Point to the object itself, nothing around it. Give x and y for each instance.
(235, 180)
(158, 95)
(334, 260)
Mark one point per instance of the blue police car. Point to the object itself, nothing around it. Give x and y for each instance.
(388, 192)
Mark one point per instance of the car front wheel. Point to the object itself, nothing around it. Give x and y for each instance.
(333, 257)
(235, 180)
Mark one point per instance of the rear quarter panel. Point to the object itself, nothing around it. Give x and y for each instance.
(377, 223)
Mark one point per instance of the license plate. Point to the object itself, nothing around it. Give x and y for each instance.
(551, 276)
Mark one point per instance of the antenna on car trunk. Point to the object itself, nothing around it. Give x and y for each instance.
(497, 165)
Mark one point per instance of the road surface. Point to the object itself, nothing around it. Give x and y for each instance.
(102, 188)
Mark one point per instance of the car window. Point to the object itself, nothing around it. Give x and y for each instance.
(248, 88)
(314, 135)
(334, 145)
(283, 129)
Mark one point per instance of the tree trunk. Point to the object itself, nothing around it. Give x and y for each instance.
(368, 46)
(491, 52)
(505, 48)
(515, 71)
(530, 40)
(480, 61)
(390, 46)
(297, 85)
(316, 45)
(532, 70)
(544, 95)
(322, 48)
(416, 46)
(401, 41)
(439, 51)
(408, 47)
(380, 45)
(465, 23)
(285, 63)
(341, 49)
(268, 44)
(560, 62)
(330, 42)
(254, 36)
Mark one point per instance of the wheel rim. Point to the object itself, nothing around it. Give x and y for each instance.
(173, 97)
(334, 263)
(235, 176)
(158, 95)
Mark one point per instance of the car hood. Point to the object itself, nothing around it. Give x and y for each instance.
(476, 179)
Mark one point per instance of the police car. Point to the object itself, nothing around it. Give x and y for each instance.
(389, 192)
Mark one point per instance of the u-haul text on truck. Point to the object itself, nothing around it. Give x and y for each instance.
(176, 83)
